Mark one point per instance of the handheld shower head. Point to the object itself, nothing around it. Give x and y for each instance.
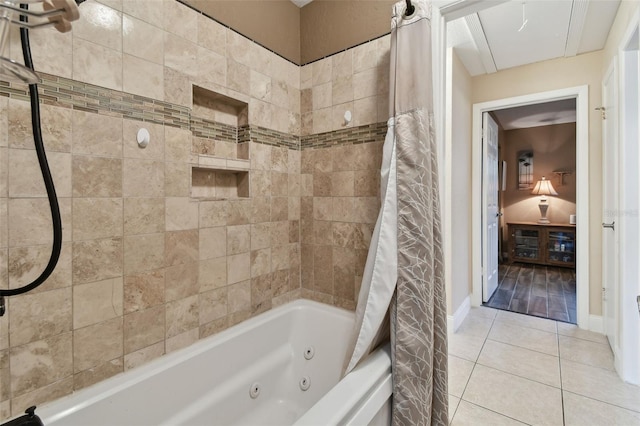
(58, 13)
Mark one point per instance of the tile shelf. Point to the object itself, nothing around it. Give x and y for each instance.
(214, 178)
(222, 164)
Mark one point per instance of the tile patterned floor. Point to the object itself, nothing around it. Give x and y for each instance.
(543, 291)
(507, 368)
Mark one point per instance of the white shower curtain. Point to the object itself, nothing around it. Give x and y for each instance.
(402, 292)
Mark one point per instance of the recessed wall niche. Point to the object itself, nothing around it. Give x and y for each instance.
(217, 184)
(221, 170)
(219, 108)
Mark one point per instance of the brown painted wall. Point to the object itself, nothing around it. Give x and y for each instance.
(554, 148)
(274, 24)
(330, 26)
(319, 29)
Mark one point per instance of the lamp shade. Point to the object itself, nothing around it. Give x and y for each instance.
(544, 187)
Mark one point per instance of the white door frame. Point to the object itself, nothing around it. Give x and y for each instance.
(628, 325)
(581, 95)
(443, 11)
(610, 237)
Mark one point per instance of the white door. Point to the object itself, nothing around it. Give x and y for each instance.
(490, 202)
(610, 229)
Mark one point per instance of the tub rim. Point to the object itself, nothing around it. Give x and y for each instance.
(367, 385)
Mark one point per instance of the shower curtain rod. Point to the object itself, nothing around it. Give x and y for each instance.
(410, 8)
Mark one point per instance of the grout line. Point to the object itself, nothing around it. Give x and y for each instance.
(467, 382)
(591, 366)
(493, 411)
(560, 371)
(522, 377)
(453, 415)
(522, 347)
(493, 320)
(603, 402)
(475, 362)
(580, 338)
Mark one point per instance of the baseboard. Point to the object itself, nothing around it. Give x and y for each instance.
(454, 321)
(596, 324)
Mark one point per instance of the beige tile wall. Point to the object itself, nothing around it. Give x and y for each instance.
(340, 200)
(145, 269)
(355, 80)
(340, 185)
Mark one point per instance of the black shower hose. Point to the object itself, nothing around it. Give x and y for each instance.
(46, 175)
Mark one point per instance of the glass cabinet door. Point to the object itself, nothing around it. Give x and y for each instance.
(526, 244)
(561, 247)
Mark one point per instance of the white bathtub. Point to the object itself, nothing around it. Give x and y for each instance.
(210, 382)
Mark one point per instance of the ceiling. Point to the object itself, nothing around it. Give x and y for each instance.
(495, 39)
(516, 33)
(543, 114)
(301, 3)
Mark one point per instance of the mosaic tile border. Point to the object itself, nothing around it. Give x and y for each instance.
(244, 134)
(368, 133)
(203, 128)
(272, 137)
(66, 93)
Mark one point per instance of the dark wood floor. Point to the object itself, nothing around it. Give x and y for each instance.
(542, 291)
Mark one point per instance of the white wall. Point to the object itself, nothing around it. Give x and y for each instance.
(627, 348)
(626, 12)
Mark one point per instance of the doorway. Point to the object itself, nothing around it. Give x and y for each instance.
(447, 11)
(479, 219)
(535, 159)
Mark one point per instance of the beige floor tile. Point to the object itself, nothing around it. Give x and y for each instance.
(453, 405)
(482, 312)
(525, 337)
(459, 373)
(521, 362)
(465, 346)
(572, 330)
(468, 340)
(580, 411)
(586, 352)
(521, 399)
(518, 374)
(600, 384)
(475, 326)
(473, 415)
(527, 321)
